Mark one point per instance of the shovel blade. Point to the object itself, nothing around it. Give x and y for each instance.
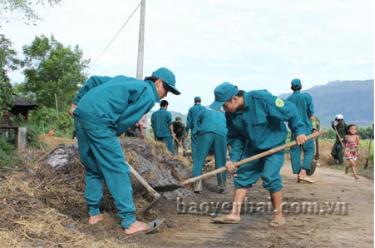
(167, 187)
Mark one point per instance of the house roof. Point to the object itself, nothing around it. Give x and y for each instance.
(21, 101)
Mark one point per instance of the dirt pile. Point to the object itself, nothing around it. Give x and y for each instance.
(42, 202)
(151, 159)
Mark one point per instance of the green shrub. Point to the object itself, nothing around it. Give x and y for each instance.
(363, 132)
(32, 136)
(44, 119)
(8, 156)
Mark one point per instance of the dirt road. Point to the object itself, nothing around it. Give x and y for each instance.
(336, 211)
(330, 226)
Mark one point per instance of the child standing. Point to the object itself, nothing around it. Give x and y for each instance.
(351, 143)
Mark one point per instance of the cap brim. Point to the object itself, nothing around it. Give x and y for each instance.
(173, 90)
(216, 105)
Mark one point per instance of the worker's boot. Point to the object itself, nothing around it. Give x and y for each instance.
(197, 186)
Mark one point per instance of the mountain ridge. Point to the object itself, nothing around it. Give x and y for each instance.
(354, 99)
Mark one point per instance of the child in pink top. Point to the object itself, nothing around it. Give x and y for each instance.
(351, 143)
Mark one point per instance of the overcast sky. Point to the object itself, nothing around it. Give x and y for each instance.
(256, 44)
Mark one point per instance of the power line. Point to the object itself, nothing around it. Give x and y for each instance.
(116, 35)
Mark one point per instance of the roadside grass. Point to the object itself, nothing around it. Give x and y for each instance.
(325, 147)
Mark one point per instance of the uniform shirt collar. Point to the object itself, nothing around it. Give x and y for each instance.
(156, 95)
(246, 102)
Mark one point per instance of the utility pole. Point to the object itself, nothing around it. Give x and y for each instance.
(141, 40)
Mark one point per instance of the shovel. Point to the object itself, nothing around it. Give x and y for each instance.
(236, 164)
(155, 195)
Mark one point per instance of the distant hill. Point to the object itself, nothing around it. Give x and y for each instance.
(178, 114)
(353, 99)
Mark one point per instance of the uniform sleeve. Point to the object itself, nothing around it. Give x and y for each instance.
(169, 118)
(285, 111)
(91, 83)
(202, 115)
(236, 141)
(140, 102)
(310, 106)
(153, 120)
(237, 146)
(189, 121)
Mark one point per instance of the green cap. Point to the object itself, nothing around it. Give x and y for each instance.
(296, 83)
(223, 92)
(168, 78)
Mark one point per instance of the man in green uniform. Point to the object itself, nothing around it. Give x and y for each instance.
(191, 122)
(305, 108)
(211, 132)
(104, 108)
(161, 122)
(255, 122)
(339, 126)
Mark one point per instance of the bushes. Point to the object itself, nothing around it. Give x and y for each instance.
(363, 132)
(7, 153)
(44, 119)
(32, 136)
(366, 132)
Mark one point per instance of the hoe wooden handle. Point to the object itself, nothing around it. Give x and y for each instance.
(249, 159)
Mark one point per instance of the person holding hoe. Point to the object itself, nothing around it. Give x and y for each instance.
(191, 123)
(105, 107)
(255, 122)
(305, 108)
(161, 122)
(211, 134)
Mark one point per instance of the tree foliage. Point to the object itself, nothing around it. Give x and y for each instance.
(25, 8)
(53, 69)
(7, 153)
(8, 62)
(45, 119)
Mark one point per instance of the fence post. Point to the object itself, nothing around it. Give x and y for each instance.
(21, 138)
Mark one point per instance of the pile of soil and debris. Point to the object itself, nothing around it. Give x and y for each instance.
(42, 205)
(42, 202)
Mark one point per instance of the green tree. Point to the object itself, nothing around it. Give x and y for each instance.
(366, 133)
(8, 62)
(51, 69)
(26, 8)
